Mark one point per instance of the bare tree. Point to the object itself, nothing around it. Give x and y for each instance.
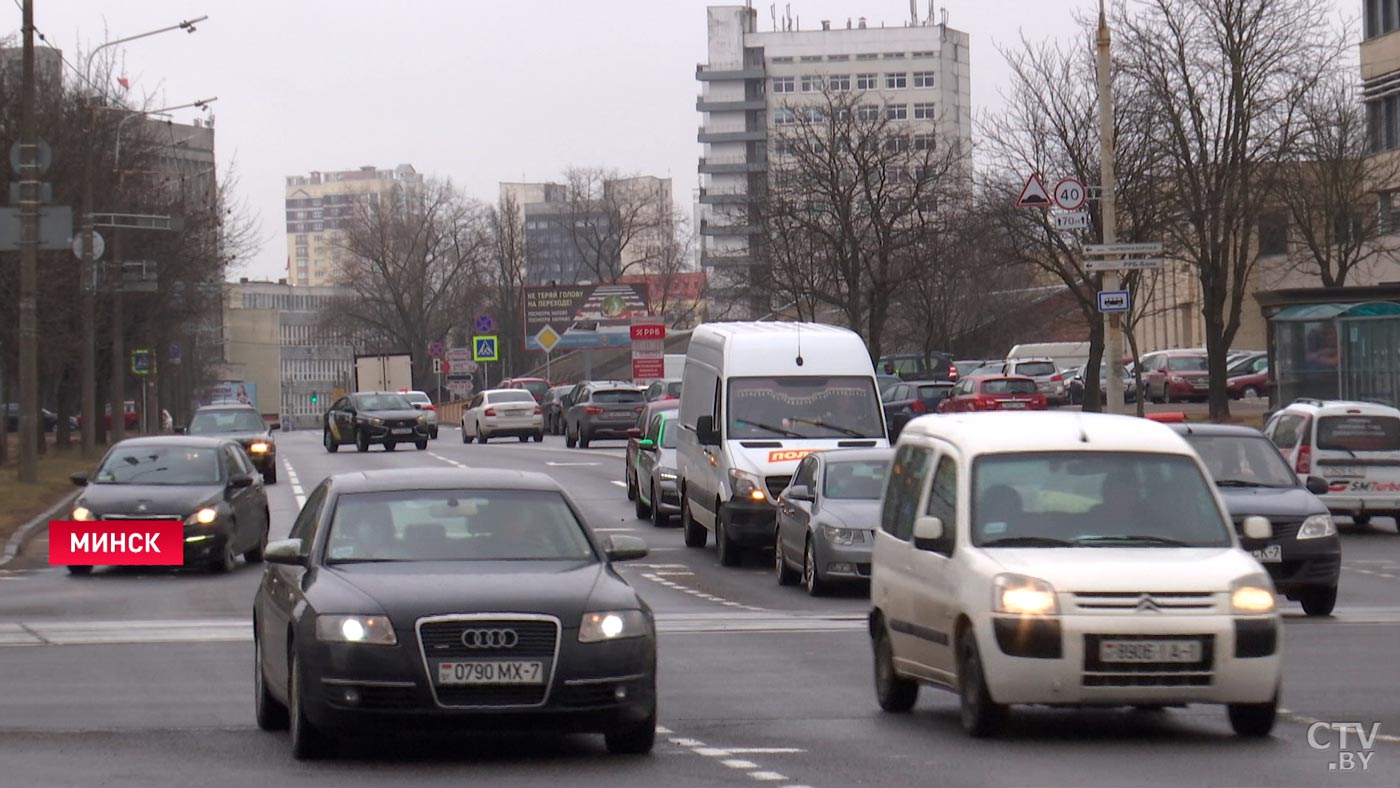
(412, 259)
(675, 290)
(1328, 188)
(853, 193)
(1220, 88)
(613, 223)
(505, 276)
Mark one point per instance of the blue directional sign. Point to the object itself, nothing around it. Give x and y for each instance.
(174, 353)
(484, 348)
(1115, 301)
(484, 324)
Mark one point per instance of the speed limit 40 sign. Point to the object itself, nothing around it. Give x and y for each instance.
(1070, 194)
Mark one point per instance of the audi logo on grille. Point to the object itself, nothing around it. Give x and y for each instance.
(490, 638)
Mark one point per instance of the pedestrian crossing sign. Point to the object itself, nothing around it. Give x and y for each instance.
(484, 348)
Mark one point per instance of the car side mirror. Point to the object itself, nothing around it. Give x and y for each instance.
(705, 431)
(928, 533)
(239, 482)
(276, 425)
(798, 492)
(284, 551)
(634, 433)
(80, 478)
(646, 444)
(620, 547)
(1317, 485)
(1256, 529)
(181, 430)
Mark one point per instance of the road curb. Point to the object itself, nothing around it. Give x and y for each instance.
(20, 537)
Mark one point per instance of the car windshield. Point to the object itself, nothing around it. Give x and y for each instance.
(804, 407)
(1358, 433)
(1094, 499)
(1187, 364)
(673, 389)
(418, 397)
(456, 525)
(515, 395)
(211, 422)
(536, 388)
(964, 367)
(618, 396)
(1241, 366)
(168, 464)
(380, 402)
(1243, 461)
(1006, 386)
(1036, 369)
(855, 480)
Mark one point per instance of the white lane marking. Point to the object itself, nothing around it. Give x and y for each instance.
(766, 750)
(571, 464)
(301, 501)
(447, 460)
(1303, 719)
(766, 776)
(608, 530)
(736, 763)
(754, 771)
(618, 483)
(711, 752)
(682, 742)
(1386, 576)
(663, 730)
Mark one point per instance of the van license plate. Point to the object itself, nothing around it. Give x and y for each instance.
(1119, 651)
(1272, 554)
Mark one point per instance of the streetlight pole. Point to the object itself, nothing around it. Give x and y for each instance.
(1108, 209)
(29, 435)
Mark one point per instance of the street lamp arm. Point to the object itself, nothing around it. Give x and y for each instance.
(187, 25)
(201, 103)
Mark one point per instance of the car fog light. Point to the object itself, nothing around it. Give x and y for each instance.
(620, 693)
(352, 696)
(842, 567)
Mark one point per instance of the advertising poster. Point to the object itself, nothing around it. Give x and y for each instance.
(568, 317)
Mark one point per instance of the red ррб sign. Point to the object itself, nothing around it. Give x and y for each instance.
(116, 542)
(648, 331)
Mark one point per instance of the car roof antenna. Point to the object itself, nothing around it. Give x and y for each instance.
(1079, 421)
(799, 343)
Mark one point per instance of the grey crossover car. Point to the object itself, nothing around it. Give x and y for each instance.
(602, 409)
(827, 518)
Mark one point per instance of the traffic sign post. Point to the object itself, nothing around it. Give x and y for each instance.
(648, 349)
(174, 353)
(1123, 257)
(142, 361)
(484, 324)
(484, 348)
(1033, 194)
(1074, 220)
(436, 349)
(1115, 301)
(1070, 194)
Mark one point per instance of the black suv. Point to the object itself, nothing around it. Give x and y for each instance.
(382, 417)
(1304, 555)
(245, 425)
(913, 366)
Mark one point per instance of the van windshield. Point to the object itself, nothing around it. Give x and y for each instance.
(804, 407)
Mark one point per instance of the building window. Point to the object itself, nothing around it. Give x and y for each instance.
(1383, 117)
(1273, 233)
(838, 58)
(782, 147)
(868, 56)
(782, 60)
(783, 117)
(811, 83)
(839, 81)
(896, 81)
(925, 111)
(923, 79)
(896, 143)
(925, 54)
(923, 142)
(868, 112)
(1385, 213)
(783, 85)
(813, 114)
(866, 81)
(897, 112)
(811, 58)
(1381, 17)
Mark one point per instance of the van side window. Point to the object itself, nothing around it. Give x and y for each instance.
(901, 505)
(1286, 431)
(692, 408)
(943, 501)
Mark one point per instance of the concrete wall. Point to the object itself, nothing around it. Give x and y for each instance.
(253, 353)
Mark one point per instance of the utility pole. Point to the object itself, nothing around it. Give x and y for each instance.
(89, 413)
(28, 264)
(1108, 186)
(117, 430)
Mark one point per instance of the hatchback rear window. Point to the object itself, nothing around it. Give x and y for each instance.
(1358, 433)
(1036, 368)
(929, 393)
(618, 396)
(1187, 364)
(1008, 387)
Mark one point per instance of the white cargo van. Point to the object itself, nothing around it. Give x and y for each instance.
(1065, 354)
(755, 399)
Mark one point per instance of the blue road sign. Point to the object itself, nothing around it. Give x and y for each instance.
(1115, 301)
(484, 323)
(484, 348)
(174, 353)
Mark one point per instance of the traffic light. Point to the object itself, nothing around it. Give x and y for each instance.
(315, 398)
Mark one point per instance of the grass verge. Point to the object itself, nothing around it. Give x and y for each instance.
(20, 503)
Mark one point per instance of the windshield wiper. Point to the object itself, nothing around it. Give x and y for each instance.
(1240, 483)
(833, 427)
(1128, 538)
(1027, 541)
(774, 430)
(364, 560)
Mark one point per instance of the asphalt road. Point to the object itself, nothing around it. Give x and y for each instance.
(143, 678)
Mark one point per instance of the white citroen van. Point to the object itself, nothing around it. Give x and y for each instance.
(755, 399)
(1066, 560)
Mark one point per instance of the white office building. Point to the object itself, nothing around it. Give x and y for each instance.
(916, 70)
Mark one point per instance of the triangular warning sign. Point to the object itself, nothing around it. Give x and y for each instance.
(1033, 194)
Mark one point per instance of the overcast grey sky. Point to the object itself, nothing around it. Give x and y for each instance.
(476, 91)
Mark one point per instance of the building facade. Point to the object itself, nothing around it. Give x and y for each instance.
(320, 207)
(918, 73)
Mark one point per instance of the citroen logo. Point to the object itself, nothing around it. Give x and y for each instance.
(140, 507)
(1146, 605)
(489, 638)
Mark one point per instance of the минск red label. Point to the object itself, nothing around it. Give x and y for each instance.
(116, 542)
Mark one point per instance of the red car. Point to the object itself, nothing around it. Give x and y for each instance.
(131, 418)
(536, 386)
(1173, 377)
(994, 392)
(1249, 380)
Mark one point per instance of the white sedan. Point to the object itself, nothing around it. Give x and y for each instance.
(502, 412)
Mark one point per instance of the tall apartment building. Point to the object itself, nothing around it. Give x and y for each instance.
(273, 337)
(320, 207)
(917, 73)
(1380, 85)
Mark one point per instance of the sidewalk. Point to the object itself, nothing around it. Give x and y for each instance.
(26, 508)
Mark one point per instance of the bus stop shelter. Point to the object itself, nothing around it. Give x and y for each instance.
(1336, 351)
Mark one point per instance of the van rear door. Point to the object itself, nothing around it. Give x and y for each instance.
(1359, 454)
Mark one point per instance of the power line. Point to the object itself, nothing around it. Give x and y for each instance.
(40, 34)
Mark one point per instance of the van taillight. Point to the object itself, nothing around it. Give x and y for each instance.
(1304, 464)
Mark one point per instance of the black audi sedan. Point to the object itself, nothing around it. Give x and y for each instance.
(245, 425)
(1304, 555)
(208, 483)
(455, 598)
(367, 418)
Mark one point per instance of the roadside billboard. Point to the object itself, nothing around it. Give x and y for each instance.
(226, 391)
(567, 317)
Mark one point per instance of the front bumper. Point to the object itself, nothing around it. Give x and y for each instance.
(1353, 503)
(205, 543)
(1061, 668)
(843, 562)
(750, 523)
(384, 434)
(669, 495)
(1188, 390)
(591, 688)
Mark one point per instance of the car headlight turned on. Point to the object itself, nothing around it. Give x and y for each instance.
(258, 447)
(1253, 594)
(746, 485)
(612, 625)
(82, 513)
(1025, 596)
(369, 630)
(843, 536)
(667, 476)
(375, 420)
(205, 516)
(1317, 526)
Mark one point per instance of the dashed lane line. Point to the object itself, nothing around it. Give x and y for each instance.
(295, 482)
(698, 594)
(447, 460)
(725, 755)
(618, 483)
